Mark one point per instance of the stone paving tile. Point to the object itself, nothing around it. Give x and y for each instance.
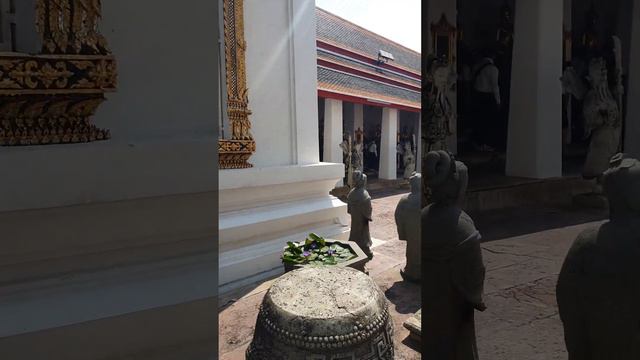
(521, 321)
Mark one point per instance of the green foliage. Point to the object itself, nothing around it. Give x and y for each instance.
(314, 250)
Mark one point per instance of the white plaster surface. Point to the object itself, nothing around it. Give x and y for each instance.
(388, 144)
(332, 131)
(534, 147)
(77, 219)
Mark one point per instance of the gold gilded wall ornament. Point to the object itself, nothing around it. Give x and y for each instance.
(49, 98)
(234, 153)
(70, 27)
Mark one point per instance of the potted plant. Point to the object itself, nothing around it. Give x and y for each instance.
(316, 251)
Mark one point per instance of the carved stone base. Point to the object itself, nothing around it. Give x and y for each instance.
(414, 325)
(323, 313)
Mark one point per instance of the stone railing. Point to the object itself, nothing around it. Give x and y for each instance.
(49, 98)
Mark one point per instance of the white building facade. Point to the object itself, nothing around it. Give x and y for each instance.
(281, 193)
(108, 247)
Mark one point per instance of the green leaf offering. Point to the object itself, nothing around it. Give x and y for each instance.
(315, 250)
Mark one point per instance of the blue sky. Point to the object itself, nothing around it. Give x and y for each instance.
(398, 20)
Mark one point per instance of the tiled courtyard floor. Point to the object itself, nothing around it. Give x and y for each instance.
(523, 253)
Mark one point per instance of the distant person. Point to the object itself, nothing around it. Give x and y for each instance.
(487, 103)
(373, 155)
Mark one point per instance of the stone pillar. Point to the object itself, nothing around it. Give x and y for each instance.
(388, 144)
(534, 147)
(632, 129)
(332, 152)
(358, 117)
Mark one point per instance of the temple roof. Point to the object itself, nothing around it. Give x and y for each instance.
(347, 64)
(351, 36)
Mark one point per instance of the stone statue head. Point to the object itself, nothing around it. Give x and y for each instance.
(359, 179)
(416, 183)
(445, 177)
(598, 72)
(407, 146)
(621, 184)
(441, 76)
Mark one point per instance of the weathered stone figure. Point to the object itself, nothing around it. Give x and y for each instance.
(440, 113)
(602, 121)
(598, 288)
(409, 160)
(359, 206)
(408, 223)
(453, 271)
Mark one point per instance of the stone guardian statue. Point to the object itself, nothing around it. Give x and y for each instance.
(407, 217)
(598, 288)
(453, 270)
(440, 113)
(602, 121)
(409, 160)
(359, 207)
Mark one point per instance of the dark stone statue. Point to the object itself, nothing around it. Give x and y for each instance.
(359, 207)
(453, 270)
(598, 289)
(407, 217)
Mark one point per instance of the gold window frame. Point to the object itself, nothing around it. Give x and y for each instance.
(443, 37)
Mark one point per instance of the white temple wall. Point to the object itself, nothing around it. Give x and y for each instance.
(129, 222)
(284, 120)
(285, 196)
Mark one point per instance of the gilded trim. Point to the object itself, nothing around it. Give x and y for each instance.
(49, 98)
(234, 153)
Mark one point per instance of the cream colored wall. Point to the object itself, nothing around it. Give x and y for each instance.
(285, 196)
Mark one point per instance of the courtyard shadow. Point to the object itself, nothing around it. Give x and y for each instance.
(405, 296)
(412, 344)
(513, 222)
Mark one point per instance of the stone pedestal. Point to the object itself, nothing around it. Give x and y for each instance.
(414, 324)
(323, 313)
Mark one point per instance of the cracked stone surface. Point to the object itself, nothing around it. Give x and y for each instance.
(521, 321)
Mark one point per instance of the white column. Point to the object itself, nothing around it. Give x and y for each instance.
(632, 130)
(332, 131)
(358, 117)
(304, 83)
(388, 144)
(534, 147)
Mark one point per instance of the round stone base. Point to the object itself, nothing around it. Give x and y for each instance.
(323, 313)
